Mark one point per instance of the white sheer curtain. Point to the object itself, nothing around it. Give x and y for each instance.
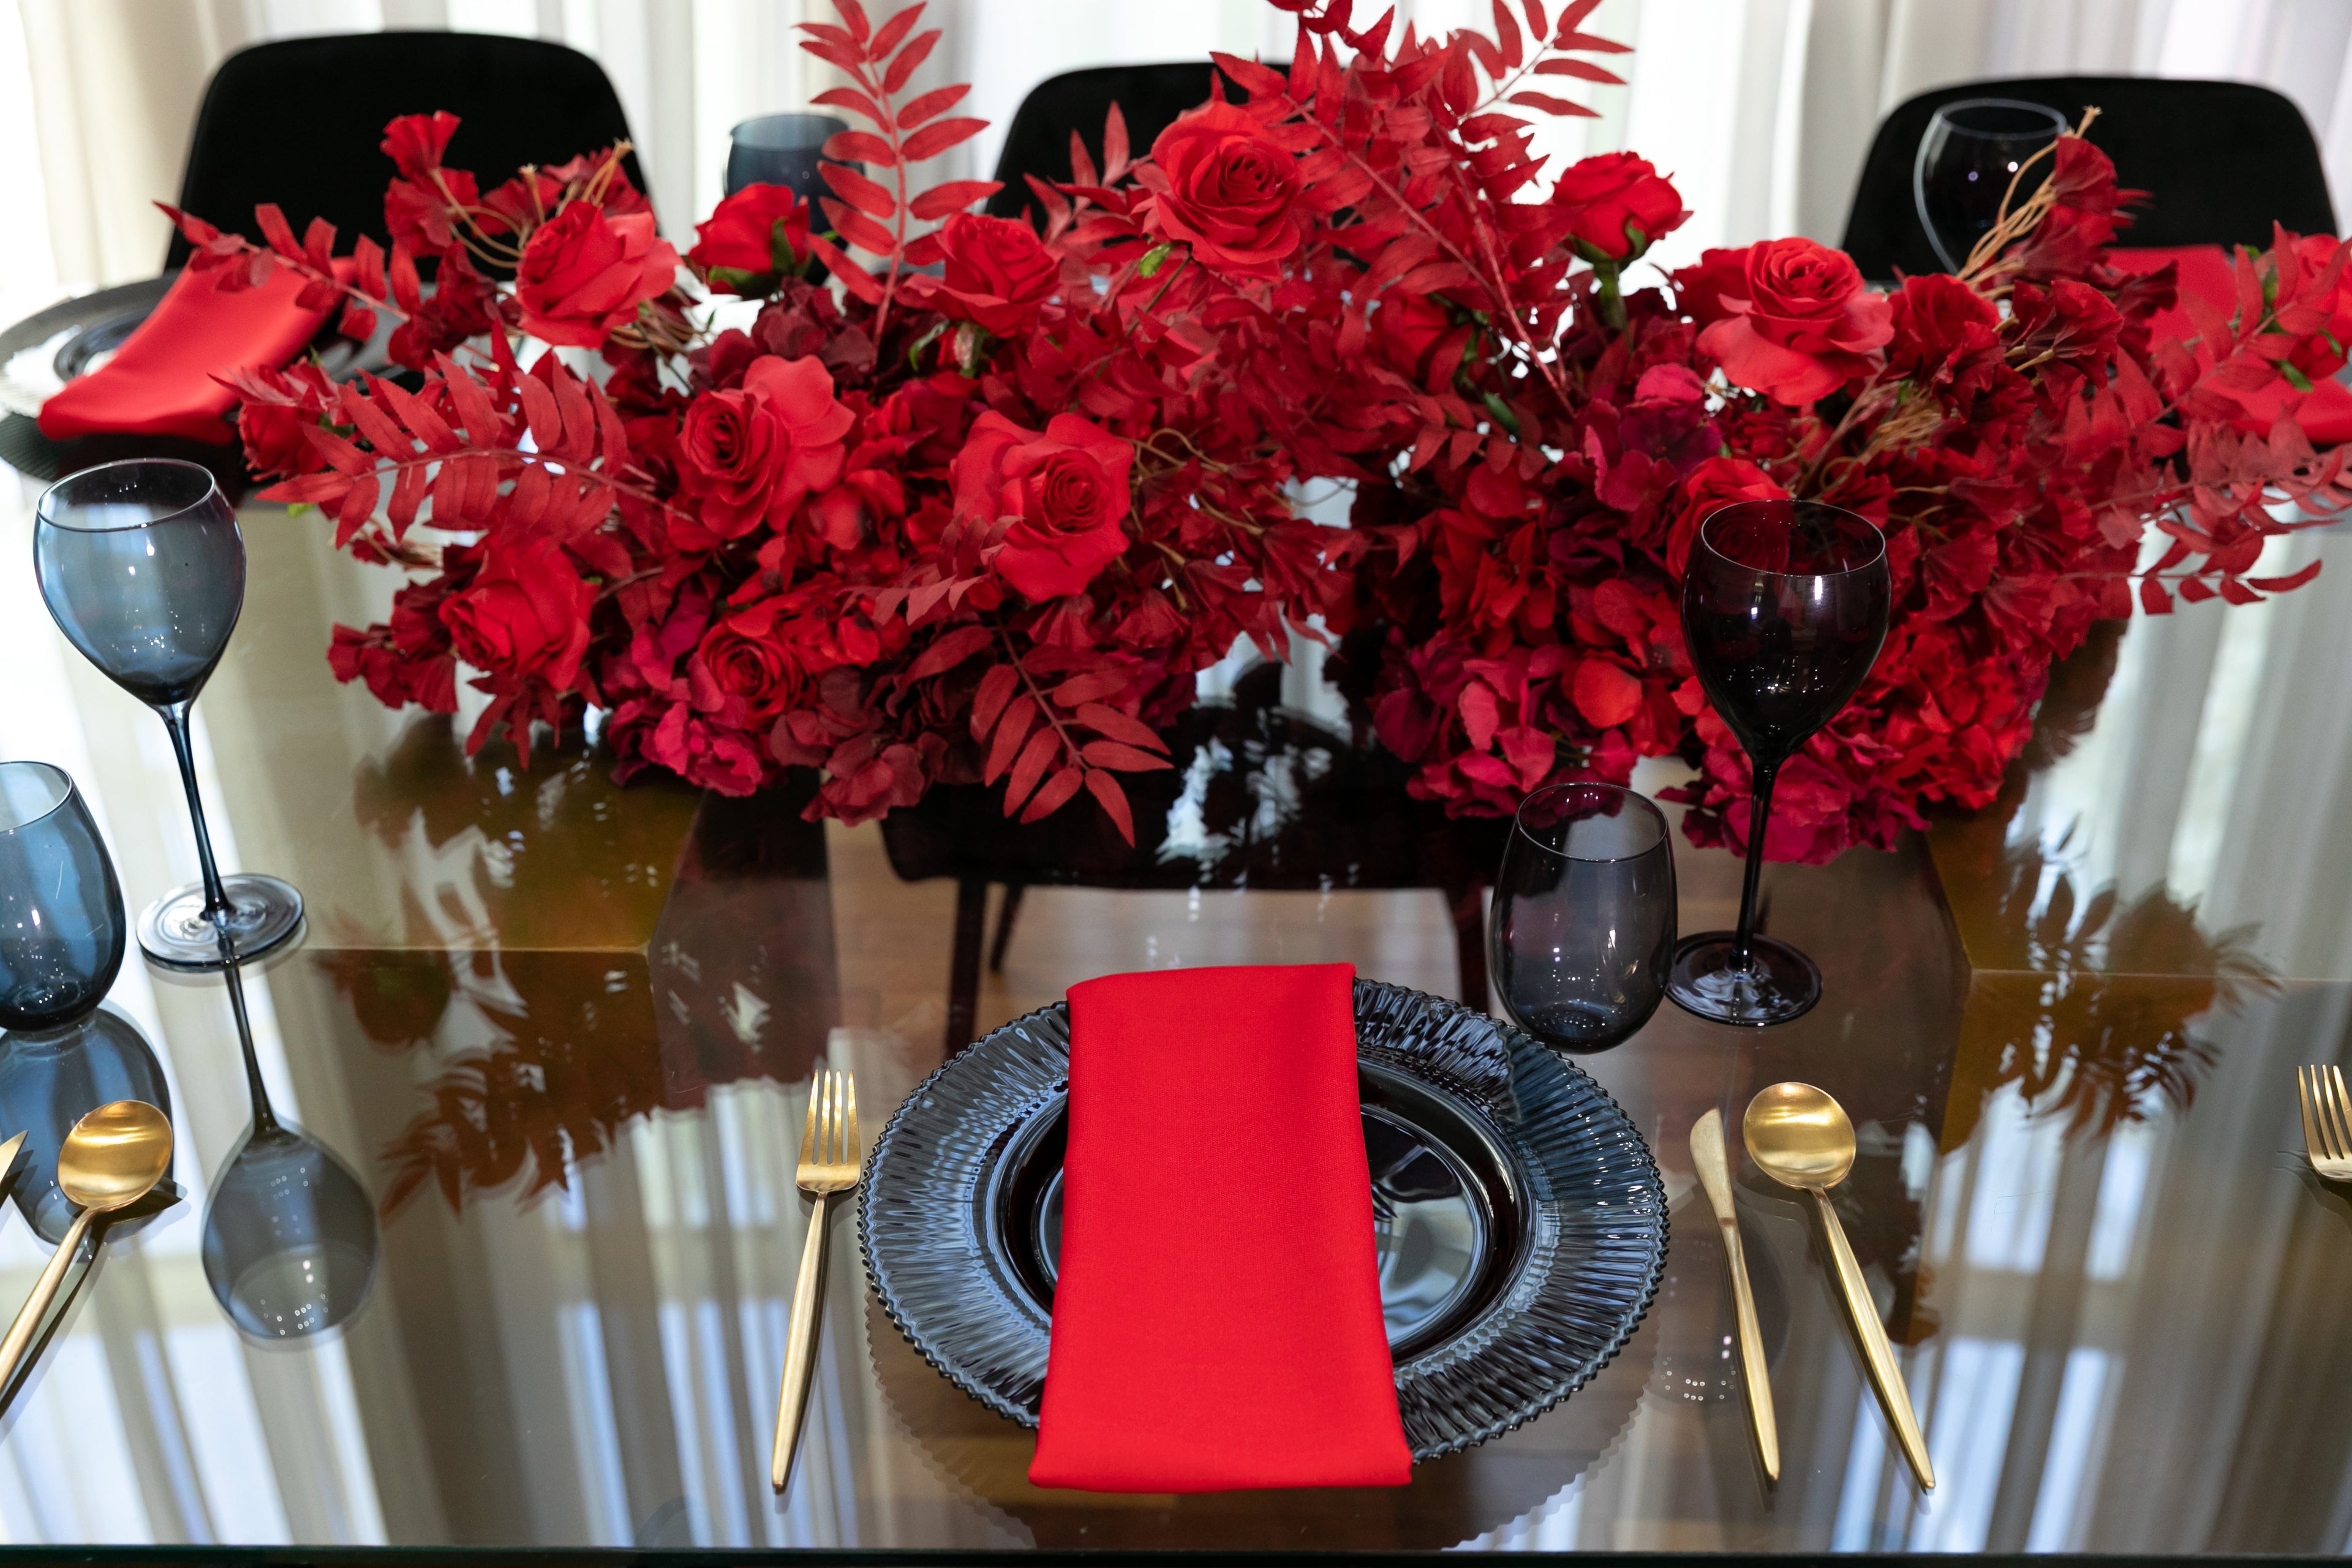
(1761, 109)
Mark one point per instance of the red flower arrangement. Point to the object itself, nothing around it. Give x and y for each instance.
(986, 521)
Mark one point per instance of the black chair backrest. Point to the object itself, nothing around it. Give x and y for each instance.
(1149, 98)
(299, 121)
(2220, 160)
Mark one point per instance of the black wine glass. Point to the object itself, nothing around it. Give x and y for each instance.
(781, 150)
(289, 1240)
(1968, 157)
(1583, 924)
(61, 927)
(1784, 605)
(143, 568)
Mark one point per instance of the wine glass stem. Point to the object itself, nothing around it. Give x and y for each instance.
(264, 1118)
(175, 720)
(1743, 939)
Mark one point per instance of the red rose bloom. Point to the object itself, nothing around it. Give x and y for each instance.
(584, 273)
(1220, 186)
(997, 273)
(525, 613)
(274, 442)
(1409, 327)
(740, 242)
(1715, 484)
(1063, 494)
(1805, 326)
(1603, 201)
(742, 678)
(749, 456)
(1700, 290)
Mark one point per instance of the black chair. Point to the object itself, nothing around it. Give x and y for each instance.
(1283, 802)
(1149, 98)
(299, 123)
(2220, 160)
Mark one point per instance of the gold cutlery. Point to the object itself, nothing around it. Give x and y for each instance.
(830, 1157)
(1801, 1138)
(112, 1158)
(1713, 1161)
(8, 1152)
(2326, 1121)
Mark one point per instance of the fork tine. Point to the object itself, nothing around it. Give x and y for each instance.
(825, 1134)
(2313, 1148)
(808, 1126)
(2337, 1110)
(852, 1152)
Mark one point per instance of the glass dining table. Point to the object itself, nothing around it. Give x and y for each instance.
(563, 1031)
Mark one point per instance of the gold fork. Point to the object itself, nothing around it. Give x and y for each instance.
(2326, 1121)
(830, 1156)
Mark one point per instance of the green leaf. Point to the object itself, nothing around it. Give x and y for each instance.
(1153, 259)
(298, 508)
(1502, 413)
(2294, 377)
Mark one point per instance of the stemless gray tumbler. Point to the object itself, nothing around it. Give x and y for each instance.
(142, 567)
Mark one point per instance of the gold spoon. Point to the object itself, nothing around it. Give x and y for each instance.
(112, 1158)
(1799, 1137)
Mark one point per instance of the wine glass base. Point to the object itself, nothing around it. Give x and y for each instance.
(263, 914)
(1780, 983)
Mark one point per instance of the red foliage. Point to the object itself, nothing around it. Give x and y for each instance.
(987, 525)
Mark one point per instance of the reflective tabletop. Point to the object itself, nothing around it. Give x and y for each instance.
(563, 1032)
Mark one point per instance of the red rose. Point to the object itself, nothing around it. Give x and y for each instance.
(1701, 289)
(1615, 205)
(1715, 484)
(741, 242)
(525, 613)
(753, 675)
(1063, 494)
(1222, 186)
(1409, 327)
(749, 456)
(1805, 326)
(274, 442)
(584, 273)
(2313, 354)
(997, 273)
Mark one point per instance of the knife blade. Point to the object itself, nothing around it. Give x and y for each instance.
(1712, 1160)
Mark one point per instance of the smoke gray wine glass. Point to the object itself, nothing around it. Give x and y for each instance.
(1584, 926)
(1784, 607)
(290, 1239)
(142, 567)
(61, 926)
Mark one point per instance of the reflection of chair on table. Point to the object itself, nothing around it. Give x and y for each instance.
(1260, 796)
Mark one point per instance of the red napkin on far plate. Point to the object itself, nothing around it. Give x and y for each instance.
(1217, 1319)
(159, 382)
(2206, 278)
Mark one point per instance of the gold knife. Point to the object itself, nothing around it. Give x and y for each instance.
(1713, 1161)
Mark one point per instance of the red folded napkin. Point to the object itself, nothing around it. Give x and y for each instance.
(2206, 281)
(1217, 1320)
(159, 382)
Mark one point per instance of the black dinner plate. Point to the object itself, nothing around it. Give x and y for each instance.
(1521, 1224)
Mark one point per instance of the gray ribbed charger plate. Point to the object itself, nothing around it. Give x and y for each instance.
(1570, 1217)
